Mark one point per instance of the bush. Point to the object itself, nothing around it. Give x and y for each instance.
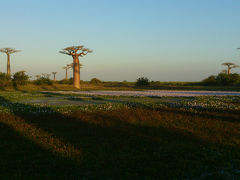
(66, 81)
(142, 81)
(95, 81)
(234, 79)
(42, 81)
(20, 78)
(223, 79)
(5, 80)
(211, 80)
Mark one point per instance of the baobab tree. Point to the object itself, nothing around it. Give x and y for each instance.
(54, 75)
(38, 76)
(224, 71)
(66, 70)
(8, 51)
(229, 66)
(45, 75)
(71, 67)
(76, 52)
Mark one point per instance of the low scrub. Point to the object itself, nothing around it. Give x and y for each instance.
(43, 81)
(95, 81)
(66, 81)
(223, 79)
(5, 80)
(20, 78)
(142, 81)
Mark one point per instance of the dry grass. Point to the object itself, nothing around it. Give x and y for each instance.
(123, 86)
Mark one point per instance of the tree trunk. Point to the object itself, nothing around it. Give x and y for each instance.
(76, 73)
(54, 77)
(8, 65)
(66, 74)
(228, 72)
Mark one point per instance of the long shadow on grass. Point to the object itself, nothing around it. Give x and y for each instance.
(21, 158)
(117, 149)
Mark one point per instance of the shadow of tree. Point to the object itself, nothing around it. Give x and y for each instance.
(22, 158)
(110, 147)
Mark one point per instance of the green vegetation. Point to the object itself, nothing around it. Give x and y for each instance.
(223, 79)
(5, 80)
(118, 137)
(42, 81)
(142, 81)
(66, 81)
(95, 81)
(20, 78)
(20, 81)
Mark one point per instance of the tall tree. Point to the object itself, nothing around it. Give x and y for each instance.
(46, 75)
(229, 66)
(8, 51)
(76, 52)
(54, 75)
(38, 76)
(66, 71)
(72, 65)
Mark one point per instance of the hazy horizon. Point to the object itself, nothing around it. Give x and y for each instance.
(162, 40)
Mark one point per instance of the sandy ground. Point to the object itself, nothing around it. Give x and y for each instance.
(158, 93)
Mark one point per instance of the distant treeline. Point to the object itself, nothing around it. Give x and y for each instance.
(222, 79)
(21, 78)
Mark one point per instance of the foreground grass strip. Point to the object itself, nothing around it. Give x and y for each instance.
(42, 138)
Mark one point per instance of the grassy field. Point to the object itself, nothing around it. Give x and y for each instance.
(122, 86)
(104, 137)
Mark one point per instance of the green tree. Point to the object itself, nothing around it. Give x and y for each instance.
(5, 80)
(95, 81)
(142, 81)
(20, 78)
(211, 80)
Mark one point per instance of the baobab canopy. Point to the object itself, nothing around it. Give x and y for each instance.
(76, 50)
(9, 50)
(230, 66)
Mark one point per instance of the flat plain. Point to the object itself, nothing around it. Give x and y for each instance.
(49, 135)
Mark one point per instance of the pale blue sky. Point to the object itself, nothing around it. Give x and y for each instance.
(166, 40)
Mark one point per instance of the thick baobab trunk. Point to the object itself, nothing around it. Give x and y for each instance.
(8, 65)
(54, 76)
(76, 72)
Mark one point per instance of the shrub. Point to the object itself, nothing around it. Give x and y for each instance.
(42, 81)
(5, 80)
(66, 81)
(20, 78)
(70, 80)
(211, 80)
(225, 79)
(234, 79)
(155, 83)
(95, 81)
(142, 81)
